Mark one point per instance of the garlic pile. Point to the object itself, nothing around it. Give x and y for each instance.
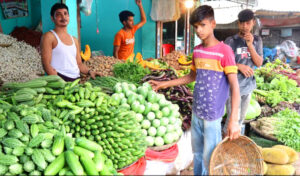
(19, 62)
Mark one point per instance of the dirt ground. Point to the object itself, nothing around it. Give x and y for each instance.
(189, 170)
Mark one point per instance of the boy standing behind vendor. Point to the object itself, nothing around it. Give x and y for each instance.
(215, 72)
(248, 54)
(124, 39)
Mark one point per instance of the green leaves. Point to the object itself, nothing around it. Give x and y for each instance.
(130, 71)
(288, 128)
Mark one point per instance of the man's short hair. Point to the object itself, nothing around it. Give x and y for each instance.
(124, 15)
(201, 13)
(58, 6)
(246, 15)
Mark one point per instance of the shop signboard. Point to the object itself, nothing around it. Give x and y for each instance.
(14, 8)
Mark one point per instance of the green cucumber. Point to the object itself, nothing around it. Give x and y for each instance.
(69, 143)
(88, 144)
(81, 152)
(58, 145)
(99, 160)
(89, 165)
(73, 163)
(56, 165)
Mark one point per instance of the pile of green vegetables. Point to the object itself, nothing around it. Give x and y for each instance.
(107, 83)
(179, 95)
(275, 88)
(159, 118)
(288, 128)
(81, 157)
(26, 139)
(279, 89)
(130, 71)
(283, 125)
(36, 113)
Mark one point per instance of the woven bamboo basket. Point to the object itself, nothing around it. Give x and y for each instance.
(129, 164)
(258, 131)
(164, 147)
(237, 157)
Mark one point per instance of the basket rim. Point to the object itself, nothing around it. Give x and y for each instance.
(242, 137)
(258, 131)
(130, 164)
(163, 147)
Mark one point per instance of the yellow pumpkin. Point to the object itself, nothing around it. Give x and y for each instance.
(87, 53)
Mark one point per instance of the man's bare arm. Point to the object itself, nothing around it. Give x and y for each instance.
(83, 68)
(46, 47)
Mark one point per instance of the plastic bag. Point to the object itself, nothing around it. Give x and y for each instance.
(137, 168)
(86, 7)
(156, 167)
(165, 11)
(185, 155)
(289, 48)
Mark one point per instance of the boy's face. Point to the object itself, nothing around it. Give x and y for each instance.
(61, 17)
(129, 22)
(246, 27)
(205, 28)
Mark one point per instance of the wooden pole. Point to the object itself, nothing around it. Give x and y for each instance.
(79, 23)
(1, 30)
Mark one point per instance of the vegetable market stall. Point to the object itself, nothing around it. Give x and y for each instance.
(119, 120)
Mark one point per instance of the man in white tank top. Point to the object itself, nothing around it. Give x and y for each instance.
(60, 51)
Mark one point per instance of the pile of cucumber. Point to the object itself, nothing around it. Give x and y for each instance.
(37, 116)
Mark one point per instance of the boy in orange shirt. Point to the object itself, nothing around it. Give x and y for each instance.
(124, 39)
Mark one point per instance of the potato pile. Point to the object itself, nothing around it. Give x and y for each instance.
(279, 160)
(101, 64)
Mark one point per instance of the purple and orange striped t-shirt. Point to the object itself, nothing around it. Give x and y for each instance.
(211, 91)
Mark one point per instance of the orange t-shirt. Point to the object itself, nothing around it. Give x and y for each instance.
(126, 42)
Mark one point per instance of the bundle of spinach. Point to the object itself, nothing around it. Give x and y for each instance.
(130, 71)
(288, 128)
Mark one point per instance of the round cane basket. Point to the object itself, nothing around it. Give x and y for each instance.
(237, 157)
(163, 147)
(129, 165)
(258, 131)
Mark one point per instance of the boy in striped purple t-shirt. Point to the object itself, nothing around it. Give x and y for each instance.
(215, 72)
